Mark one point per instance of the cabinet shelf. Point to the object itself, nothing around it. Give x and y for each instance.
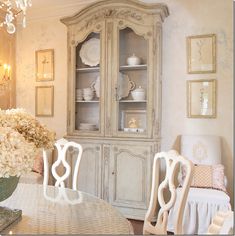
(89, 69)
(130, 101)
(92, 101)
(137, 67)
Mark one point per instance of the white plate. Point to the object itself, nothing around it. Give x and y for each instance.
(90, 52)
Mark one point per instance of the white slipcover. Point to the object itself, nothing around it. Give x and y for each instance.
(201, 149)
(201, 206)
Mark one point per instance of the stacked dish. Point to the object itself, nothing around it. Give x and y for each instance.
(87, 126)
(79, 94)
(88, 94)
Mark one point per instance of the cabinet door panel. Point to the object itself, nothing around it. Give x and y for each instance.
(86, 83)
(130, 173)
(134, 189)
(89, 177)
(133, 106)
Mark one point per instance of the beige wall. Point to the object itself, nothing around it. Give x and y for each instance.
(187, 17)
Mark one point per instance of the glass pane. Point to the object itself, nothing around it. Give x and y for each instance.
(87, 91)
(132, 82)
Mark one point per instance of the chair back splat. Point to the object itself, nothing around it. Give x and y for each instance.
(172, 160)
(62, 149)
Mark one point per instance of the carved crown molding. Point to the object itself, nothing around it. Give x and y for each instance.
(131, 9)
(112, 13)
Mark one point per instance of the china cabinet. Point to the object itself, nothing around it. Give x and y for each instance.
(114, 98)
(7, 67)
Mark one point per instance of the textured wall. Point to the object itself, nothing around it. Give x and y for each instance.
(195, 17)
(187, 17)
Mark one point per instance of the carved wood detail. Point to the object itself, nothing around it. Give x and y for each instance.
(112, 13)
(110, 30)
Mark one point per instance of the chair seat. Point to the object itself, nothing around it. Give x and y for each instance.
(201, 206)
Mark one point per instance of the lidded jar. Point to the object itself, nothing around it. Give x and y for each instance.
(138, 94)
(133, 60)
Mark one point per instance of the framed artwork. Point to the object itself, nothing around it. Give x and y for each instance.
(44, 101)
(45, 65)
(201, 99)
(201, 53)
(134, 120)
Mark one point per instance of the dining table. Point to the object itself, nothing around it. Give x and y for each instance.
(79, 213)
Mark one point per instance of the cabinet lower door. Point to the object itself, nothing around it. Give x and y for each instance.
(89, 177)
(130, 179)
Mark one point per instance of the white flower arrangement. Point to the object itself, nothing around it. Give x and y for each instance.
(21, 138)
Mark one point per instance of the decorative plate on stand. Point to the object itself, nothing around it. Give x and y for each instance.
(125, 85)
(90, 52)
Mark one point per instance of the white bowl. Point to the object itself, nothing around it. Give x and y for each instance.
(138, 95)
(88, 98)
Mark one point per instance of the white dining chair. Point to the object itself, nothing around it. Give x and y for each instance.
(202, 203)
(172, 160)
(62, 147)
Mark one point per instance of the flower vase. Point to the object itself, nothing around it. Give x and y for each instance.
(8, 216)
(7, 187)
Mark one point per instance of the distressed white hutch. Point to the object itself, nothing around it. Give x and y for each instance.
(119, 135)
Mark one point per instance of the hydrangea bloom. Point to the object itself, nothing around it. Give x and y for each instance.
(21, 139)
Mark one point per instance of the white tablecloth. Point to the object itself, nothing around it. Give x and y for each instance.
(90, 215)
(201, 206)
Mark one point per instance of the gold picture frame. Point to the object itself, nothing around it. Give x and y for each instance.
(201, 98)
(44, 65)
(201, 53)
(44, 101)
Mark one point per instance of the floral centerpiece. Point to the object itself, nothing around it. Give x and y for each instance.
(22, 137)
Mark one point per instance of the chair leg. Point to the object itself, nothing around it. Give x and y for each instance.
(145, 232)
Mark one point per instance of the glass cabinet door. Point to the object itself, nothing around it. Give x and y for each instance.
(132, 84)
(87, 85)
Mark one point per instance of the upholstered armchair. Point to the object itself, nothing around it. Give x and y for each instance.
(202, 203)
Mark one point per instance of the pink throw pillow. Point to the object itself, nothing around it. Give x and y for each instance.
(38, 164)
(218, 177)
(206, 176)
